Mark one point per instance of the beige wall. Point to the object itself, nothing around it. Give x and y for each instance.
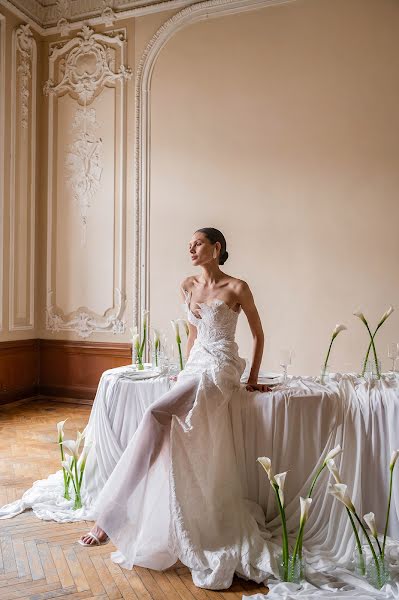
(280, 127)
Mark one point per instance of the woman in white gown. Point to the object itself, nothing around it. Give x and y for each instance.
(175, 492)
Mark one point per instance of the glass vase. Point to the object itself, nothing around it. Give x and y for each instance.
(371, 370)
(368, 569)
(324, 374)
(295, 573)
(78, 501)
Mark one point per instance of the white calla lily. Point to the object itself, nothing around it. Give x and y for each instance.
(305, 506)
(83, 457)
(370, 522)
(133, 331)
(185, 325)
(60, 430)
(385, 316)
(136, 341)
(338, 328)
(339, 491)
(394, 458)
(360, 315)
(333, 453)
(157, 336)
(280, 480)
(73, 447)
(145, 317)
(175, 325)
(267, 465)
(67, 466)
(332, 467)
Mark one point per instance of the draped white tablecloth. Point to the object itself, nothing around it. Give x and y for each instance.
(295, 425)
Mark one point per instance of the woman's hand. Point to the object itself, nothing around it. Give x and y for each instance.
(257, 387)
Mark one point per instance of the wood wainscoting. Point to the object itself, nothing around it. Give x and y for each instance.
(19, 370)
(56, 368)
(72, 370)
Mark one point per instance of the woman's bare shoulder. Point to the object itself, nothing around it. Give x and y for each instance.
(238, 286)
(188, 283)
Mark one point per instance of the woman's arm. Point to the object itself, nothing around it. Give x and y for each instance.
(248, 305)
(184, 289)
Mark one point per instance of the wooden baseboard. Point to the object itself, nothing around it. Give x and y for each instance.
(19, 370)
(61, 369)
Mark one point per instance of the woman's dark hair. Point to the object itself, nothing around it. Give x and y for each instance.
(214, 235)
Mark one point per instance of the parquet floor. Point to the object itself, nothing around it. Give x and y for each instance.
(41, 560)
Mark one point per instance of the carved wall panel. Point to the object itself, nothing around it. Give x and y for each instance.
(22, 179)
(86, 202)
(2, 125)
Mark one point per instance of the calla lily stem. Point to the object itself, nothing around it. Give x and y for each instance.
(388, 511)
(285, 534)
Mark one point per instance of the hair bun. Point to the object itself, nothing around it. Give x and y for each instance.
(223, 257)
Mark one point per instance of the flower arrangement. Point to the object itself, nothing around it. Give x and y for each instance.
(139, 344)
(73, 464)
(371, 346)
(291, 561)
(337, 330)
(339, 491)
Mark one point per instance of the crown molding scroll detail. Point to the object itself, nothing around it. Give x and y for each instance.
(81, 68)
(188, 16)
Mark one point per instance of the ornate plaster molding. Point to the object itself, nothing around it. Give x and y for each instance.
(25, 44)
(23, 156)
(84, 81)
(187, 16)
(49, 17)
(83, 321)
(81, 67)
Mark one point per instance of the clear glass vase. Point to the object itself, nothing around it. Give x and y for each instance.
(295, 572)
(377, 577)
(371, 370)
(324, 374)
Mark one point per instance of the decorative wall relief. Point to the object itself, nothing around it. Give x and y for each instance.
(22, 179)
(84, 162)
(86, 183)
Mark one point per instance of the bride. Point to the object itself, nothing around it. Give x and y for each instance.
(175, 492)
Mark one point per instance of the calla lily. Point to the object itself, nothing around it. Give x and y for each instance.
(385, 316)
(267, 465)
(157, 336)
(60, 429)
(185, 325)
(73, 445)
(145, 317)
(338, 329)
(394, 458)
(370, 522)
(280, 480)
(333, 453)
(83, 457)
(305, 506)
(332, 467)
(175, 325)
(361, 316)
(136, 341)
(338, 490)
(67, 466)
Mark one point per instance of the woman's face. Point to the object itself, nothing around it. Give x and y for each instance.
(201, 250)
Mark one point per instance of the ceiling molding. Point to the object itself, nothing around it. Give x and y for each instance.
(52, 17)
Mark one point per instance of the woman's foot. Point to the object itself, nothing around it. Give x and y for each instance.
(96, 537)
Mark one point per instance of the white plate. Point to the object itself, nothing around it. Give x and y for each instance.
(137, 375)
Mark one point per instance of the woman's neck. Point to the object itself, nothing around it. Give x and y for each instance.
(211, 274)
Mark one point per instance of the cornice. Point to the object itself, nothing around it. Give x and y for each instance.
(51, 17)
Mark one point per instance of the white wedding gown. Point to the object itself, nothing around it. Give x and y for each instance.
(175, 492)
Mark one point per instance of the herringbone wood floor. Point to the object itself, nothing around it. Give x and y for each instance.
(40, 559)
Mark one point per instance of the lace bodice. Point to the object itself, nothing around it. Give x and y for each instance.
(216, 321)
